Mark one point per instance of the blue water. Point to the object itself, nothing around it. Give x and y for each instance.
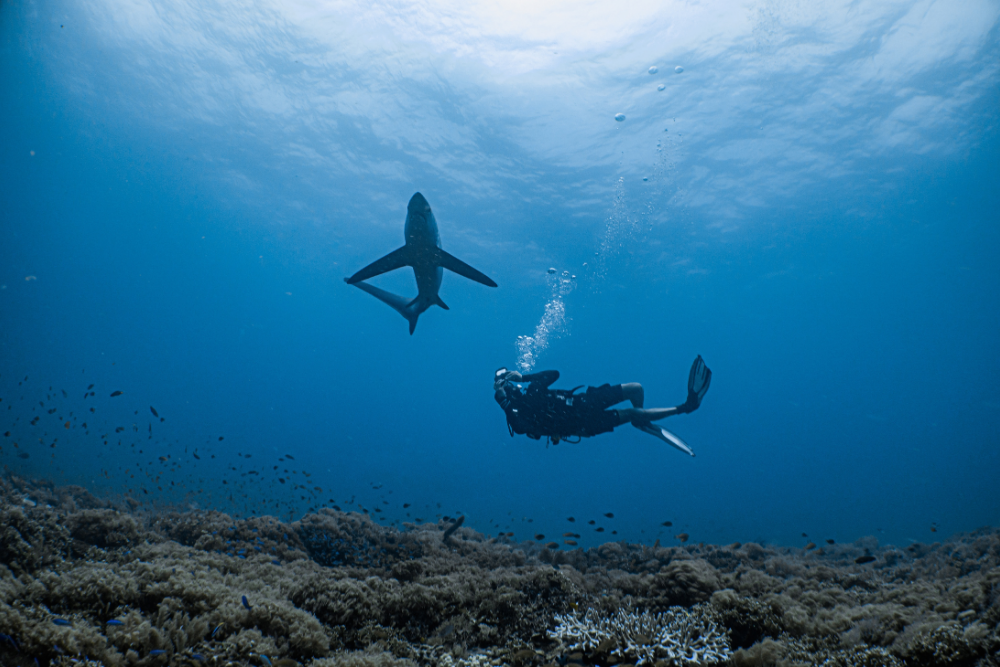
(812, 204)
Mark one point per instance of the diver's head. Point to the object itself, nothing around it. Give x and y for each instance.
(500, 378)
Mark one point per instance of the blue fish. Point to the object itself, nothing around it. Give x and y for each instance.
(247, 604)
(198, 656)
(217, 628)
(115, 621)
(61, 621)
(276, 562)
(157, 651)
(267, 660)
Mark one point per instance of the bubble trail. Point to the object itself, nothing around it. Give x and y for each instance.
(551, 326)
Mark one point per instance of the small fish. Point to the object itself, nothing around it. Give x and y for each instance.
(22, 455)
(90, 387)
(275, 562)
(668, 524)
(163, 458)
(570, 519)
(569, 535)
(267, 660)
(683, 537)
(609, 515)
(861, 560)
(933, 529)
(114, 621)
(804, 535)
(220, 438)
(217, 628)
(810, 546)
(196, 455)
(591, 522)
(66, 424)
(539, 537)
(61, 621)
(65, 395)
(572, 543)
(599, 529)
(247, 604)
(405, 505)
(153, 410)
(289, 456)
(198, 656)
(830, 542)
(6, 434)
(157, 651)
(116, 393)
(552, 545)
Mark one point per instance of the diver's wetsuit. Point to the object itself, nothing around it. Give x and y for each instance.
(538, 411)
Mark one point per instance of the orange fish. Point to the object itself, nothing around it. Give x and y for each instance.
(683, 537)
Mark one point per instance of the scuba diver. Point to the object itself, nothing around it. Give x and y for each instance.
(562, 414)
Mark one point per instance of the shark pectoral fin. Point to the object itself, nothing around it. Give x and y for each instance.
(456, 265)
(396, 259)
(413, 324)
(441, 303)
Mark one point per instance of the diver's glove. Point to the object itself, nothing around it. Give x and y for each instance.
(504, 377)
(699, 379)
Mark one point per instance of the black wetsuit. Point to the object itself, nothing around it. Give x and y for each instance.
(538, 411)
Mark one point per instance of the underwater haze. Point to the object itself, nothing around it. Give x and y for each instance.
(805, 194)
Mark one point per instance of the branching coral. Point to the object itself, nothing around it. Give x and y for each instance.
(688, 637)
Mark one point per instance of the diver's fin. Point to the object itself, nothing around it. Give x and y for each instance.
(456, 265)
(699, 380)
(664, 435)
(396, 259)
(442, 303)
(396, 302)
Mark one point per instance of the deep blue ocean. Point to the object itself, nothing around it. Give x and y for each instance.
(806, 195)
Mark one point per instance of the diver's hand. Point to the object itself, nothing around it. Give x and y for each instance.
(513, 376)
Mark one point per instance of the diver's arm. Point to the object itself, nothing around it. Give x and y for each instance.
(541, 379)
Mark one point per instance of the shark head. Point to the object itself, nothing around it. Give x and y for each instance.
(418, 205)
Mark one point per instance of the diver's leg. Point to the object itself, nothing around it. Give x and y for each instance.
(633, 392)
(642, 415)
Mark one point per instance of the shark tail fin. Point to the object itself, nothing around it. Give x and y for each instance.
(396, 259)
(456, 265)
(394, 301)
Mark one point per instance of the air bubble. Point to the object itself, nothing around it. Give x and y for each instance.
(552, 270)
(654, 69)
(661, 87)
(619, 117)
(678, 69)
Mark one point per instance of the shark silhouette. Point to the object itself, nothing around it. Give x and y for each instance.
(422, 252)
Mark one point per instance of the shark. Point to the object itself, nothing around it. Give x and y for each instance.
(423, 253)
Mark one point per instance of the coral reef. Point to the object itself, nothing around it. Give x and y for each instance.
(105, 582)
(682, 636)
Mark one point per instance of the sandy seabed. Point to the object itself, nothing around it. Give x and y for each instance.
(87, 581)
